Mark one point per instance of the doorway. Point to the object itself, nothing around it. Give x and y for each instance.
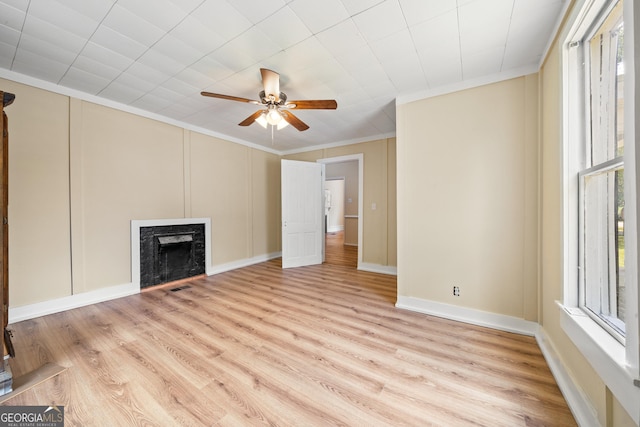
(343, 238)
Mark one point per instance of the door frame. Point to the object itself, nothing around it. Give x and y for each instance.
(360, 159)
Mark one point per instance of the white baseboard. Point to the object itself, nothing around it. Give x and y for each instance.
(468, 315)
(377, 268)
(335, 228)
(58, 305)
(221, 268)
(584, 413)
(577, 401)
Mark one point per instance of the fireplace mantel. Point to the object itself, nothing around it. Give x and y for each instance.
(136, 225)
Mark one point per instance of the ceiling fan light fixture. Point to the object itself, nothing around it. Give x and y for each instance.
(262, 120)
(283, 124)
(274, 117)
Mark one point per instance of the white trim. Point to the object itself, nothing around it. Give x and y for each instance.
(62, 90)
(58, 305)
(339, 143)
(360, 159)
(378, 268)
(335, 228)
(468, 315)
(605, 354)
(135, 240)
(233, 265)
(581, 408)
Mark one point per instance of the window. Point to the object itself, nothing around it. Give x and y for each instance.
(601, 177)
(599, 311)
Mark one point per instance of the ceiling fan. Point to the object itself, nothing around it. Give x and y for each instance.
(275, 113)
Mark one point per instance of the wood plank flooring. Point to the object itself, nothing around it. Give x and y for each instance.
(312, 346)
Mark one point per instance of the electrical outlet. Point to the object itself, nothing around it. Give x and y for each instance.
(456, 291)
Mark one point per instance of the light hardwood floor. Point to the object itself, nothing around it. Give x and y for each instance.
(312, 346)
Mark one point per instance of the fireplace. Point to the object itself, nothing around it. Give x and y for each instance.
(164, 251)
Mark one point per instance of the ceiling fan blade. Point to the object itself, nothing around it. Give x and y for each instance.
(252, 118)
(317, 104)
(271, 83)
(294, 121)
(229, 97)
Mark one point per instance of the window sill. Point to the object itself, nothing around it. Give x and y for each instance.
(605, 354)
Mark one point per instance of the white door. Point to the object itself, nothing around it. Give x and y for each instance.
(302, 213)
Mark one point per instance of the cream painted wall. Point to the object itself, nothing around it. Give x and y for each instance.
(126, 167)
(266, 205)
(39, 244)
(464, 170)
(379, 175)
(79, 172)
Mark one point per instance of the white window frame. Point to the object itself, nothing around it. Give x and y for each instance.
(617, 364)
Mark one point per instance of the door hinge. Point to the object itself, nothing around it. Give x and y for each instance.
(636, 383)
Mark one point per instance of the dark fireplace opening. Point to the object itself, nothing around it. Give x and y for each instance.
(171, 252)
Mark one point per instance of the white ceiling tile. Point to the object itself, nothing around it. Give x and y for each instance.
(163, 14)
(406, 76)
(416, 11)
(211, 68)
(151, 102)
(443, 73)
(12, 17)
(319, 15)
(132, 26)
(355, 7)
(398, 45)
(284, 28)
(151, 76)
(43, 30)
(63, 17)
(298, 57)
(177, 50)
(180, 86)
(363, 66)
(168, 94)
(38, 66)
(160, 63)
(437, 40)
(381, 89)
(94, 9)
(84, 81)
(245, 50)
(6, 55)
(341, 38)
(195, 78)
(193, 33)
(221, 17)
(256, 11)
(533, 19)
(475, 34)
(9, 36)
(105, 57)
(46, 49)
(17, 4)
(114, 41)
(98, 68)
(159, 58)
(187, 5)
(484, 63)
(381, 21)
(124, 93)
